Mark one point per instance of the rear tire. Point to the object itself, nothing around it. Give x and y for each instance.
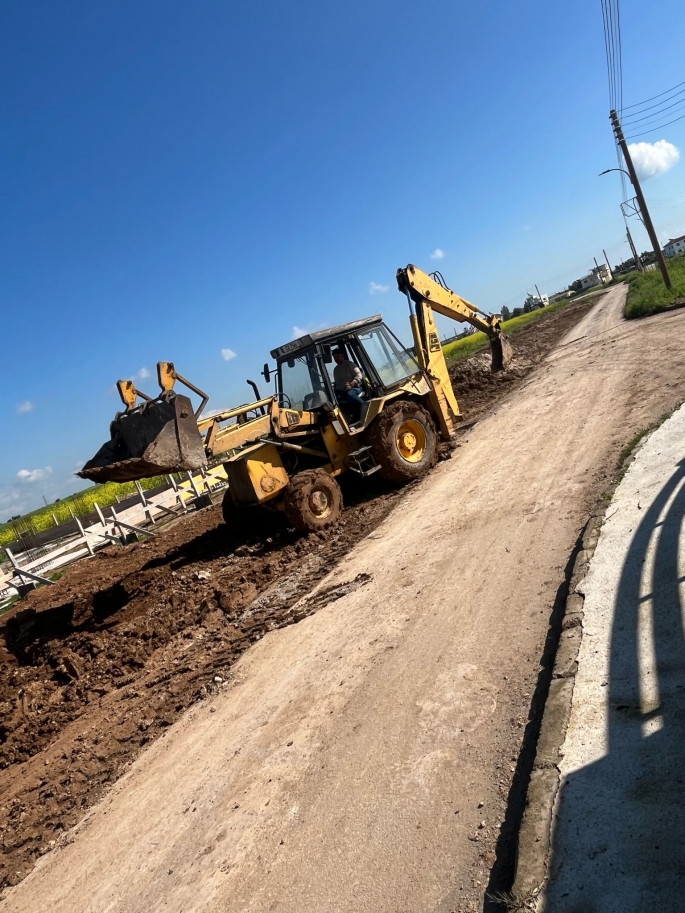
(313, 501)
(403, 441)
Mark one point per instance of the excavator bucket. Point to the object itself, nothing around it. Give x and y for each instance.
(158, 437)
(501, 351)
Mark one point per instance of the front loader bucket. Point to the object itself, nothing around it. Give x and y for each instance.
(501, 351)
(159, 437)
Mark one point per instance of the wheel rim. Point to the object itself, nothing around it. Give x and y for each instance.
(411, 440)
(320, 503)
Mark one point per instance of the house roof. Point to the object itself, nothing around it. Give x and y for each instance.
(330, 335)
(675, 240)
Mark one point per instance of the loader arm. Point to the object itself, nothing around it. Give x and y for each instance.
(428, 296)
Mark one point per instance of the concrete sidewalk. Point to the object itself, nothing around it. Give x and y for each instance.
(619, 831)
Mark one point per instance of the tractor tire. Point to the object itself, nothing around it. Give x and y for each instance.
(248, 522)
(313, 501)
(403, 441)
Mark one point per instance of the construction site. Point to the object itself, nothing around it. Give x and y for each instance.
(401, 630)
(148, 736)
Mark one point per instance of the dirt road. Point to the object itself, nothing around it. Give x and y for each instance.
(362, 760)
(94, 669)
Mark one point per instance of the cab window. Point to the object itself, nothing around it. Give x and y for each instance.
(392, 362)
(301, 382)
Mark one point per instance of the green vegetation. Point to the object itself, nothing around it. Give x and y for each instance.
(6, 606)
(469, 345)
(648, 294)
(627, 451)
(81, 503)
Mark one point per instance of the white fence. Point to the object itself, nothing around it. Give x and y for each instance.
(113, 525)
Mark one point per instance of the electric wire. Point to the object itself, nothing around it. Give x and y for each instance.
(661, 105)
(611, 20)
(640, 103)
(657, 127)
(652, 118)
(620, 59)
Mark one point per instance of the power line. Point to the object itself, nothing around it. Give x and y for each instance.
(620, 58)
(640, 103)
(612, 45)
(658, 127)
(611, 20)
(657, 114)
(657, 105)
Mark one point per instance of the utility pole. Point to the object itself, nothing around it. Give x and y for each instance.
(646, 218)
(539, 295)
(638, 262)
(606, 259)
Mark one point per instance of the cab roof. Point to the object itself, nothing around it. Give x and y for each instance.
(330, 335)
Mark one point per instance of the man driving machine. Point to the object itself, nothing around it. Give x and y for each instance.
(347, 380)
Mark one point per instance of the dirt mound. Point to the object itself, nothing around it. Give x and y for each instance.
(97, 666)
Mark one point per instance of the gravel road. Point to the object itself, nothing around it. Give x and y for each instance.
(366, 758)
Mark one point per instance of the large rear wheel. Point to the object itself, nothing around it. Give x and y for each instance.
(313, 500)
(403, 441)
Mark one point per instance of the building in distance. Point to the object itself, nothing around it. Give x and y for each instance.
(675, 246)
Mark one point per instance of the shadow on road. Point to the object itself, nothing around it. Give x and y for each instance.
(620, 838)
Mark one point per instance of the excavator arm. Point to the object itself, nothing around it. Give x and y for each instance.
(423, 289)
(428, 296)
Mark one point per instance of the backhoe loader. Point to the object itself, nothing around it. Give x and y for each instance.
(284, 452)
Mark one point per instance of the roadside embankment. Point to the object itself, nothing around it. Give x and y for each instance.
(647, 293)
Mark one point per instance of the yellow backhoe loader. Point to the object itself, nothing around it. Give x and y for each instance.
(284, 452)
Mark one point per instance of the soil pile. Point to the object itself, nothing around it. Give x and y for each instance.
(97, 666)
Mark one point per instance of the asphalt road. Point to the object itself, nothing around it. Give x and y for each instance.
(361, 760)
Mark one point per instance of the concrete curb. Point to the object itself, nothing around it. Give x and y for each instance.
(535, 833)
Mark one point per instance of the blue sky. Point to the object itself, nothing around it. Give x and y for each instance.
(183, 179)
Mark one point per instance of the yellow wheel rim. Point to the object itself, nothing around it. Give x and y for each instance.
(411, 440)
(320, 504)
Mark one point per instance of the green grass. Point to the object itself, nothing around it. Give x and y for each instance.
(81, 503)
(647, 293)
(469, 345)
(6, 606)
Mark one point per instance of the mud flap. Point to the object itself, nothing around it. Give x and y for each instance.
(159, 437)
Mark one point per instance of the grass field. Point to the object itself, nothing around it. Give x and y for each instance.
(81, 503)
(648, 294)
(463, 348)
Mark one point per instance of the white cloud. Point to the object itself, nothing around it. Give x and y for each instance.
(138, 376)
(437, 254)
(228, 354)
(651, 159)
(375, 288)
(34, 475)
(26, 406)
(303, 331)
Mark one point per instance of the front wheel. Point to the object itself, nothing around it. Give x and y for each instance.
(403, 441)
(312, 501)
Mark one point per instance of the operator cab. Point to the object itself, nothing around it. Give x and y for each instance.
(305, 366)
